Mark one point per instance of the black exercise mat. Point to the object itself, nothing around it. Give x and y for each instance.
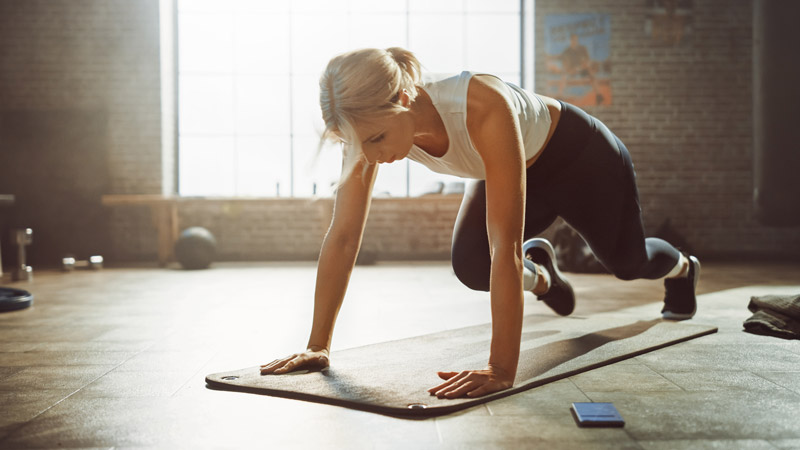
(393, 377)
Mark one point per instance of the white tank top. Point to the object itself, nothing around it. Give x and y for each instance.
(449, 96)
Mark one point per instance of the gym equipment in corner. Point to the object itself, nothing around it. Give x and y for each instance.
(69, 263)
(22, 238)
(14, 299)
(195, 248)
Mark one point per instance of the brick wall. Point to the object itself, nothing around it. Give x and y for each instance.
(292, 229)
(90, 55)
(685, 114)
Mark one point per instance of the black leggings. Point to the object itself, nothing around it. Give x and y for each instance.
(585, 175)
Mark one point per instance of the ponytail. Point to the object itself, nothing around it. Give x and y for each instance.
(409, 65)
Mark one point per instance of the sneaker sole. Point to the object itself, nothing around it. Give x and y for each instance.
(669, 315)
(544, 244)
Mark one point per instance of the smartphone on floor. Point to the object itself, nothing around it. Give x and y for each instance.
(597, 415)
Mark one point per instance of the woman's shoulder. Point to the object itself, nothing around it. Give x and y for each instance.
(486, 93)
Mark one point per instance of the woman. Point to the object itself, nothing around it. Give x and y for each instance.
(533, 158)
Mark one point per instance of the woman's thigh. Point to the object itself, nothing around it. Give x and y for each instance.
(470, 250)
(598, 197)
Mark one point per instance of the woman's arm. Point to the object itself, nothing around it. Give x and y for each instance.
(339, 251)
(336, 260)
(495, 133)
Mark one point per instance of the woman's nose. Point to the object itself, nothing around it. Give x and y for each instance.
(373, 156)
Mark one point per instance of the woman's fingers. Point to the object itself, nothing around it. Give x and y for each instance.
(469, 383)
(271, 363)
(481, 390)
(271, 367)
(293, 364)
(462, 389)
(450, 380)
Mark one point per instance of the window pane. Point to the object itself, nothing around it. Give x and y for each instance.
(258, 6)
(207, 166)
(423, 180)
(377, 30)
(263, 164)
(319, 6)
(383, 6)
(437, 41)
(391, 180)
(316, 38)
(327, 168)
(495, 6)
(447, 6)
(262, 104)
(493, 42)
(262, 43)
(206, 43)
(311, 171)
(206, 104)
(206, 6)
(305, 102)
(249, 73)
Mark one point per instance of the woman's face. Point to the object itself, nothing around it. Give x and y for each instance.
(386, 139)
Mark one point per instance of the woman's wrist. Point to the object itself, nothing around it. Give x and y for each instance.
(317, 348)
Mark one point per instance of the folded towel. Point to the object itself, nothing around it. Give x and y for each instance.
(774, 315)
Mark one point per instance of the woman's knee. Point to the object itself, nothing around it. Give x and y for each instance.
(470, 272)
(626, 274)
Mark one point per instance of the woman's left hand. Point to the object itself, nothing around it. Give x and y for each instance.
(472, 383)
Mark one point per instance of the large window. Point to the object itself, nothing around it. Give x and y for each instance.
(248, 73)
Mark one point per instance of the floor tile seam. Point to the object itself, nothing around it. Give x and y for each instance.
(710, 439)
(438, 430)
(707, 390)
(772, 442)
(780, 386)
(579, 389)
(15, 370)
(26, 423)
(666, 379)
(695, 369)
(631, 436)
(196, 372)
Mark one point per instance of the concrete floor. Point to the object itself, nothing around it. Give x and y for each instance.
(117, 359)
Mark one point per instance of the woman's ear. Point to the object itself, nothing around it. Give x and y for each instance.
(405, 99)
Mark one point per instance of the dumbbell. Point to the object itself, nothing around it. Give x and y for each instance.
(21, 238)
(69, 263)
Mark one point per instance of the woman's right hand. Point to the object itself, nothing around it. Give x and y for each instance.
(309, 359)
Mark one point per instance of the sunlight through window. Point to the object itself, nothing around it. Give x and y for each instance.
(248, 74)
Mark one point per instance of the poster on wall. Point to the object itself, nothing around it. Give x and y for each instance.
(669, 22)
(577, 58)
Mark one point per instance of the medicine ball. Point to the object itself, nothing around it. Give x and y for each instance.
(195, 248)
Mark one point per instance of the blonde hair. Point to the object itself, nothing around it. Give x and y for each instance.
(360, 86)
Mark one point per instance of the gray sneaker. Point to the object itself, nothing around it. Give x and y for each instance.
(560, 297)
(680, 302)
